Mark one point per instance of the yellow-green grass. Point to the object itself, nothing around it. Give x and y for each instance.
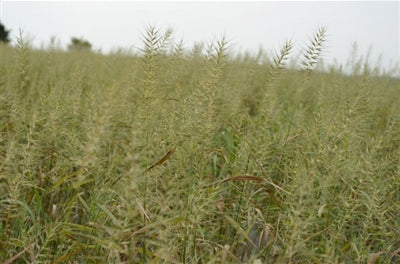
(173, 156)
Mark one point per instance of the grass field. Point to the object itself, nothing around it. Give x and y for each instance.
(200, 156)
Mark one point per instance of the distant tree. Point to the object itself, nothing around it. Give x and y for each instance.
(4, 34)
(79, 44)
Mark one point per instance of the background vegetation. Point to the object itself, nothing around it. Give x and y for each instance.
(79, 44)
(174, 156)
(4, 34)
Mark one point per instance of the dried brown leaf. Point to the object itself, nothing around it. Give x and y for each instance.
(374, 257)
(163, 159)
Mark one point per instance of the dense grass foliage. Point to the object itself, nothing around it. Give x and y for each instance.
(174, 156)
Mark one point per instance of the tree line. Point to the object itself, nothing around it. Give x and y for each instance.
(76, 43)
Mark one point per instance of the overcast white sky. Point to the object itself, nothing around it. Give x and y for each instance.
(248, 25)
